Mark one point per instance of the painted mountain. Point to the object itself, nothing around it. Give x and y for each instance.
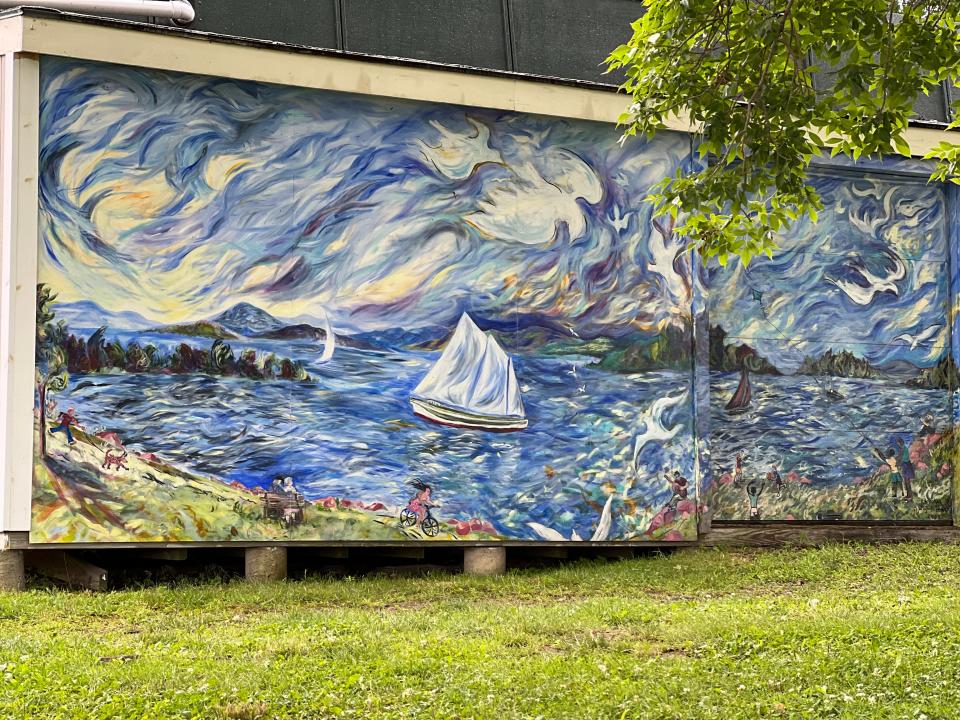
(247, 320)
(243, 320)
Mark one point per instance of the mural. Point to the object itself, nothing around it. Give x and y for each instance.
(267, 312)
(831, 370)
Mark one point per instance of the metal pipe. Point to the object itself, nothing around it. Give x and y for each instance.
(179, 11)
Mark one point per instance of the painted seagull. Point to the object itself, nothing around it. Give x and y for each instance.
(601, 533)
(922, 336)
(863, 295)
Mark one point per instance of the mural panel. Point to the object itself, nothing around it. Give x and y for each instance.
(269, 312)
(831, 370)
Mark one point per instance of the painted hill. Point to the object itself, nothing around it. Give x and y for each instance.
(148, 499)
(723, 357)
(842, 364)
(299, 331)
(634, 352)
(942, 375)
(201, 328)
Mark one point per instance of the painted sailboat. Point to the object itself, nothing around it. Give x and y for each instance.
(829, 387)
(472, 385)
(740, 402)
(329, 340)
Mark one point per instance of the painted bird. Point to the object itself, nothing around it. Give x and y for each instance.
(863, 295)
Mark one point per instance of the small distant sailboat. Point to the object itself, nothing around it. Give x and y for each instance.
(829, 387)
(472, 385)
(834, 394)
(329, 340)
(740, 402)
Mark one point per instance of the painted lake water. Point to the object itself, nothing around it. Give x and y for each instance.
(794, 425)
(350, 433)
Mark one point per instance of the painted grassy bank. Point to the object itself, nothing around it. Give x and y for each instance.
(148, 500)
(837, 632)
(869, 496)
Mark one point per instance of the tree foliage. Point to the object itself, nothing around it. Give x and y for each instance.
(82, 356)
(51, 362)
(742, 72)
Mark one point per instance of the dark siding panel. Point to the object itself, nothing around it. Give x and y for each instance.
(459, 33)
(925, 107)
(301, 22)
(932, 106)
(570, 38)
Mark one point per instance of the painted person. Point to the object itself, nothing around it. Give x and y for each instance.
(288, 487)
(421, 501)
(776, 479)
(896, 479)
(64, 421)
(738, 469)
(906, 467)
(678, 484)
(754, 489)
(926, 426)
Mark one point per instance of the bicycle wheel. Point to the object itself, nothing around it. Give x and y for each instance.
(407, 517)
(430, 527)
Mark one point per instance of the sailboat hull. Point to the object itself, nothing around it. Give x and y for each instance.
(455, 417)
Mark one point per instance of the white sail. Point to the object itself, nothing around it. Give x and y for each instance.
(473, 374)
(329, 342)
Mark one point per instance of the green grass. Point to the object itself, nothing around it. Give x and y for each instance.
(837, 632)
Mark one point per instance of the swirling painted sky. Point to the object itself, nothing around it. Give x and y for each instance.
(179, 195)
(871, 276)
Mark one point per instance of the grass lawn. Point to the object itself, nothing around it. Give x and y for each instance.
(842, 631)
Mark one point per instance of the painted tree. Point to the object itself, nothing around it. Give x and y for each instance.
(51, 360)
(743, 72)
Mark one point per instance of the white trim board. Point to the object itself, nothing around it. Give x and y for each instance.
(19, 159)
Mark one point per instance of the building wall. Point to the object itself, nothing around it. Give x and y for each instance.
(557, 38)
(201, 237)
(844, 337)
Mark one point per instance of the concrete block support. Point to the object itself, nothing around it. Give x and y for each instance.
(11, 570)
(485, 560)
(265, 564)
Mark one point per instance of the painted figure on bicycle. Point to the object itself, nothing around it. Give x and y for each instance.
(417, 510)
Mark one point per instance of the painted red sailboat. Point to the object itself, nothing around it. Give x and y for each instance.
(740, 402)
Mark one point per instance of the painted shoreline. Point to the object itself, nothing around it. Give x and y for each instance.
(76, 500)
